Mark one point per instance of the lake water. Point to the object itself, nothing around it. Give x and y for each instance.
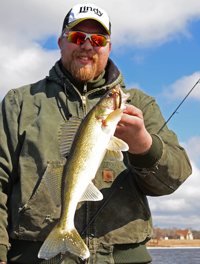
(175, 255)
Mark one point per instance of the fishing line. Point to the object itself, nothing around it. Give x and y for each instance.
(119, 184)
(178, 106)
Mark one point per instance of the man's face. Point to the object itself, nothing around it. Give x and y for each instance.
(85, 62)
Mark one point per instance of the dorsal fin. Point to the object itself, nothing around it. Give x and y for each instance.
(67, 134)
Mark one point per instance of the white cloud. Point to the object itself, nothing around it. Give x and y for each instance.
(28, 65)
(181, 87)
(140, 21)
(182, 208)
(24, 23)
(192, 148)
(134, 85)
(143, 22)
(178, 221)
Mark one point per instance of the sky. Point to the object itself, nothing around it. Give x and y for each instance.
(156, 45)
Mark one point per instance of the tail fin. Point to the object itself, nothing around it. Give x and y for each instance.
(61, 240)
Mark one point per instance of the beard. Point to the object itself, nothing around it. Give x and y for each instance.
(86, 73)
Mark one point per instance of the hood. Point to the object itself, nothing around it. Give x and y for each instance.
(112, 75)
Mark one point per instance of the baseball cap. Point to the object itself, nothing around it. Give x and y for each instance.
(82, 12)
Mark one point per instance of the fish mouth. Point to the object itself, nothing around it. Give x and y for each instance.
(124, 97)
(114, 99)
(120, 98)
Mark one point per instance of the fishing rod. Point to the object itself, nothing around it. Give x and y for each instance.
(118, 186)
(178, 106)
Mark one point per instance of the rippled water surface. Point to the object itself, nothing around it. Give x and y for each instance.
(175, 255)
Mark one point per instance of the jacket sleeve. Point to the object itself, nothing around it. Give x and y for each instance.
(9, 146)
(163, 168)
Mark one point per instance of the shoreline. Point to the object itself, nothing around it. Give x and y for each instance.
(171, 247)
(173, 243)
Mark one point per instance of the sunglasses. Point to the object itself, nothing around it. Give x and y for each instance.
(79, 37)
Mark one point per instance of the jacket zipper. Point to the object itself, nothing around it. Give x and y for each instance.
(85, 94)
(83, 97)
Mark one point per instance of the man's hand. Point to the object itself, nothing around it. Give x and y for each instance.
(131, 129)
(2, 262)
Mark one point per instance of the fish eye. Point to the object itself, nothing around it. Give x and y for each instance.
(109, 94)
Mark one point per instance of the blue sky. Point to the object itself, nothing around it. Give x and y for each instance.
(156, 45)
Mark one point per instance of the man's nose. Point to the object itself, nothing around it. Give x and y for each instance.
(87, 45)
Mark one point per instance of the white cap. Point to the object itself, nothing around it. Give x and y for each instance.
(82, 12)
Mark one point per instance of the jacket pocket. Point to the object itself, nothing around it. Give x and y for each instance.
(126, 218)
(38, 216)
(139, 197)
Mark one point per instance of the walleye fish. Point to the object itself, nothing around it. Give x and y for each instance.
(72, 183)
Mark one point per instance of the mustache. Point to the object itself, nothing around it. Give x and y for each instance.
(84, 53)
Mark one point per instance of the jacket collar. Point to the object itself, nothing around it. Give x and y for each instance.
(111, 77)
(80, 85)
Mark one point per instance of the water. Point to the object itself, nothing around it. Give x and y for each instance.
(175, 255)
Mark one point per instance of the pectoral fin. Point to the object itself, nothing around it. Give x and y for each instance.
(91, 194)
(113, 155)
(53, 179)
(117, 144)
(114, 148)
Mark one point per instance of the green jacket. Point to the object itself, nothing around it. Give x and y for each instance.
(30, 120)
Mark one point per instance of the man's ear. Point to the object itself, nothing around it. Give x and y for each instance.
(109, 48)
(59, 42)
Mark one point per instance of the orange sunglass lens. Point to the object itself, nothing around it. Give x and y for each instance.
(76, 37)
(98, 40)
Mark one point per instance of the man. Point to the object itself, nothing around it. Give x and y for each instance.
(30, 121)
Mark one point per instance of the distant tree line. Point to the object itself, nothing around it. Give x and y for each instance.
(159, 233)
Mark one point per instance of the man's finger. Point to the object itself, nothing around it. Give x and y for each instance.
(133, 111)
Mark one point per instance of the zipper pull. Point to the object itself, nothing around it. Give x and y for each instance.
(83, 101)
(83, 96)
(85, 88)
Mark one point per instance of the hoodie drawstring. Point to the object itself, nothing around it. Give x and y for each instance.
(67, 97)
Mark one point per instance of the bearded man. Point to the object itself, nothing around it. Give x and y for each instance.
(30, 121)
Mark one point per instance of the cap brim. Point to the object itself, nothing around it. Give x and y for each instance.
(74, 23)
